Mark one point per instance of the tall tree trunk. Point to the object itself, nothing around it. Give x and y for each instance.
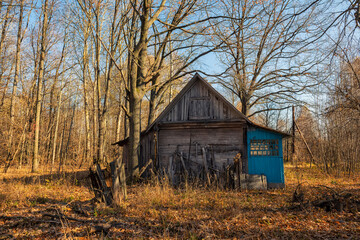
(138, 77)
(97, 82)
(95, 125)
(85, 89)
(136, 94)
(118, 125)
(60, 150)
(69, 136)
(134, 134)
(16, 79)
(4, 27)
(56, 131)
(244, 105)
(87, 123)
(6, 20)
(35, 162)
(103, 109)
(53, 97)
(152, 105)
(87, 129)
(32, 101)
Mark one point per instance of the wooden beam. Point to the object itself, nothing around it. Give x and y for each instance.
(206, 167)
(104, 187)
(306, 144)
(202, 124)
(145, 167)
(170, 170)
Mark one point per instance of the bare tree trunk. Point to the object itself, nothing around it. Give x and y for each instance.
(134, 134)
(104, 108)
(35, 163)
(97, 94)
(85, 89)
(136, 72)
(16, 79)
(119, 183)
(118, 125)
(138, 77)
(60, 150)
(69, 136)
(6, 21)
(52, 96)
(20, 144)
(95, 120)
(56, 131)
(244, 105)
(79, 154)
(32, 100)
(152, 106)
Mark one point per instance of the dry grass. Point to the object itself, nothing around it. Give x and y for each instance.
(156, 210)
(21, 189)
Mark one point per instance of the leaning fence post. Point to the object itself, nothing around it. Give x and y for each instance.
(119, 181)
(170, 170)
(206, 167)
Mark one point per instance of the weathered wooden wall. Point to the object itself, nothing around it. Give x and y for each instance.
(221, 145)
(147, 149)
(200, 103)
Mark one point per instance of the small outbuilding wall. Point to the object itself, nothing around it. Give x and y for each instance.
(265, 155)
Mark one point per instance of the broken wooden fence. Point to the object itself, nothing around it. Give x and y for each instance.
(109, 186)
(182, 169)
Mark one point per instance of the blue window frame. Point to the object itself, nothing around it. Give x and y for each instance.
(264, 147)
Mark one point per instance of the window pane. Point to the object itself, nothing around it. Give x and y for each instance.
(264, 147)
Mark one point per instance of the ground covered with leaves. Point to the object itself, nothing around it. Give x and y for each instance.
(60, 206)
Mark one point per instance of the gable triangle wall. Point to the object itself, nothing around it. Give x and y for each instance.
(199, 101)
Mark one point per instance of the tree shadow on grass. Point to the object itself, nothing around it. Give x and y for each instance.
(80, 178)
(50, 218)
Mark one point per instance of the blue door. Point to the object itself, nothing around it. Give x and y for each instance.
(265, 154)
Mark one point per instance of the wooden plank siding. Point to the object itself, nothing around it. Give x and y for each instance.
(221, 143)
(200, 103)
(147, 149)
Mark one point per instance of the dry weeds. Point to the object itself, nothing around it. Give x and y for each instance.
(46, 208)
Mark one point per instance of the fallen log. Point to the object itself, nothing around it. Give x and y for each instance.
(324, 197)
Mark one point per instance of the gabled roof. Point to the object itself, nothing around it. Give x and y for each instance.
(270, 129)
(188, 86)
(178, 97)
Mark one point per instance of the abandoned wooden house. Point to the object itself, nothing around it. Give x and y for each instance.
(201, 133)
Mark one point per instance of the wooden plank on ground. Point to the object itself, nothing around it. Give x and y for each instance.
(104, 187)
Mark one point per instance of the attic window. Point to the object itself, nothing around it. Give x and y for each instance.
(264, 147)
(199, 108)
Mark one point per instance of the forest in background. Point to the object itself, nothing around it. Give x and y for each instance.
(77, 76)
